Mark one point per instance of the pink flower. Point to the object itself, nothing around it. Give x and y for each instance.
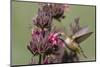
(36, 32)
(39, 43)
(54, 39)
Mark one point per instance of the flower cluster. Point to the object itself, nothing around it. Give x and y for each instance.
(43, 19)
(38, 44)
(56, 10)
(44, 41)
(47, 12)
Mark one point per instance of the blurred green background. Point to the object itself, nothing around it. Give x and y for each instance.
(22, 14)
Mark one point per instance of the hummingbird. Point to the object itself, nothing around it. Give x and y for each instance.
(72, 42)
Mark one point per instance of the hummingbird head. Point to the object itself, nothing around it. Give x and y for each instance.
(63, 35)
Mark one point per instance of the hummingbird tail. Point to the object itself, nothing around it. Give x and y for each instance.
(82, 52)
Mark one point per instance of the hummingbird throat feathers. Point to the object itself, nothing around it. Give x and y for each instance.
(68, 40)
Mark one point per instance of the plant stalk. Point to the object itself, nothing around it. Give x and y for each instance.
(40, 57)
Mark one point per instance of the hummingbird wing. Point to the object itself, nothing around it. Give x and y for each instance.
(81, 32)
(75, 27)
(81, 35)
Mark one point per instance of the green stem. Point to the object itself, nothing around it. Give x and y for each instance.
(40, 57)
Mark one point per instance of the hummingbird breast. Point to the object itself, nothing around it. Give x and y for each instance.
(68, 41)
(71, 44)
